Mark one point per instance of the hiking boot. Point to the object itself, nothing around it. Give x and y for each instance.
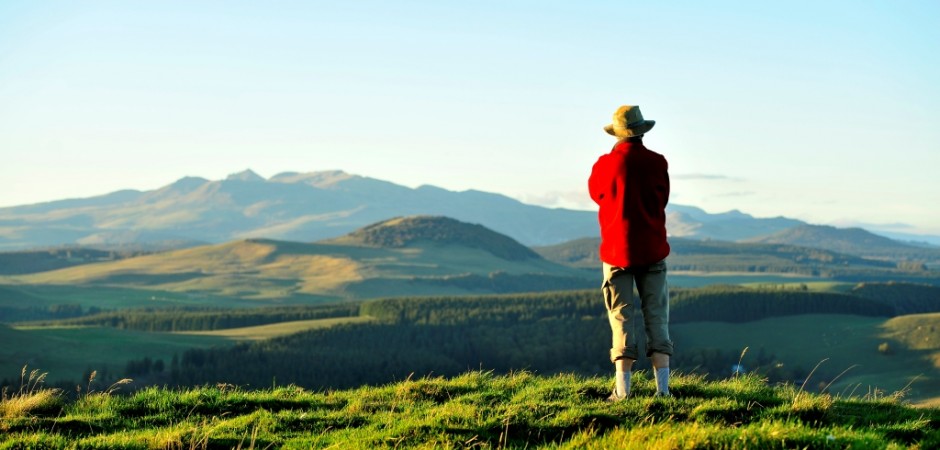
(663, 394)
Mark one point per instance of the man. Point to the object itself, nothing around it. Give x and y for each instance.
(631, 186)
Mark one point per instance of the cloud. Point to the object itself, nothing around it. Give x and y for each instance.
(705, 176)
(736, 194)
(560, 199)
(893, 226)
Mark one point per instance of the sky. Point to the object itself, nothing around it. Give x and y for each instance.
(824, 111)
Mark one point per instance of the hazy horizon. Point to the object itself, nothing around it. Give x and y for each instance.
(818, 112)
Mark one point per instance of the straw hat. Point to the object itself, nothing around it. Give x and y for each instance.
(628, 122)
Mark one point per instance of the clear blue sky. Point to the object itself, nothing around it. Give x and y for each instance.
(826, 111)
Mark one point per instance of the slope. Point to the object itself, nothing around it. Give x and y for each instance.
(405, 256)
(475, 410)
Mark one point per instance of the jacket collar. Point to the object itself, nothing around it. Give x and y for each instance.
(625, 145)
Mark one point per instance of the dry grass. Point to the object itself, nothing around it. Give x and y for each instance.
(268, 331)
(22, 405)
(30, 398)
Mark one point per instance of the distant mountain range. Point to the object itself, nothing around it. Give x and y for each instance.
(855, 241)
(288, 206)
(313, 206)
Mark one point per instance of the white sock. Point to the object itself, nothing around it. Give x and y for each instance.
(623, 383)
(662, 380)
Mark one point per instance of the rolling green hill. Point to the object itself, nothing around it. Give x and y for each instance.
(473, 410)
(21, 262)
(404, 256)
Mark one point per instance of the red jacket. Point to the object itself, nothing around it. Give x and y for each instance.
(631, 186)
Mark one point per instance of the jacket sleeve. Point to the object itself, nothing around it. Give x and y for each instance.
(595, 185)
(666, 178)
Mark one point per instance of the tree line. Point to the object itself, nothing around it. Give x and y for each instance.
(546, 332)
(723, 303)
(205, 319)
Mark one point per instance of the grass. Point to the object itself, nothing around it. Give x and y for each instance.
(69, 352)
(841, 342)
(817, 286)
(30, 398)
(112, 297)
(689, 279)
(269, 331)
(479, 410)
(278, 271)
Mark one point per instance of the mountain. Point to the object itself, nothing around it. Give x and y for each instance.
(855, 241)
(307, 207)
(692, 222)
(288, 206)
(407, 231)
(402, 256)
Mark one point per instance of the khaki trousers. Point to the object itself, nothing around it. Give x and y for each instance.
(621, 309)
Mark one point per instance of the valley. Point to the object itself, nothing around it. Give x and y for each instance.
(442, 296)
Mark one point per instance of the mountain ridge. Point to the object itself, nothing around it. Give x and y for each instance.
(854, 240)
(311, 206)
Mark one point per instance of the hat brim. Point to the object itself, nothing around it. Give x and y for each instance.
(636, 130)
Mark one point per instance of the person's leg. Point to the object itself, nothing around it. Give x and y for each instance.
(654, 298)
(618, 299)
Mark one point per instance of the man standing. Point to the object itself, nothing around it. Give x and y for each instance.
(631, 186)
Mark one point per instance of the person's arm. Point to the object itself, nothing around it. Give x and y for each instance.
(666, 175)
(595, 184)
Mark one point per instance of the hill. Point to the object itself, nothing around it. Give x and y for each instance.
(477, 409)
(405, 256)
(408, 231)
(19, 262)
(853, 241)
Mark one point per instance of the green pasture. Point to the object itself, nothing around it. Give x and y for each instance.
(816, 286)
(699, 279)
(275, 329)
(66, 353)
(113, 297)
(836, 343)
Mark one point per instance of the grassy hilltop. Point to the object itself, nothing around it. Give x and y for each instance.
(474, 410)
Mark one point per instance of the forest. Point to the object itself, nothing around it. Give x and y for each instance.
(563, 331)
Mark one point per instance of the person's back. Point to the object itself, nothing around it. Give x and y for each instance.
(631, 187)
